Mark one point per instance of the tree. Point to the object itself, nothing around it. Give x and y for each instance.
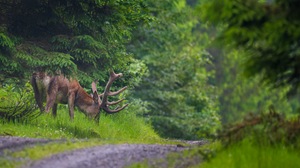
(269, 33)
(73, 37)
(182, 103)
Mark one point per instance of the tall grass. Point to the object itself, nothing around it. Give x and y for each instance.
(122, 126)
(247, 155)
(266, 140)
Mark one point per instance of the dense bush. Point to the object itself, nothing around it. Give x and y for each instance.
(270, 128)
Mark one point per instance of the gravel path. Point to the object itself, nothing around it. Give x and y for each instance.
(114, 156)
(17, 143)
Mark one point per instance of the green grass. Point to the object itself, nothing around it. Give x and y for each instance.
(247, 155)
(122, 126)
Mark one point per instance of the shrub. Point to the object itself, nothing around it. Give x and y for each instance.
(17, 104)
(264, 129)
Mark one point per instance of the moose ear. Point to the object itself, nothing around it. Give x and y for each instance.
(95, 97)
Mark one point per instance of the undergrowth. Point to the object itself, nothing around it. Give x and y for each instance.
(266, 140)
(17, 104)
(245, 154)
(122, 126)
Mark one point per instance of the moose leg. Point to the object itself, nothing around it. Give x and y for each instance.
(54, 110)
(37, 93)
(71, 100)
(51, 94)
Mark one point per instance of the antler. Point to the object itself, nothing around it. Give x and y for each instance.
(105, 103)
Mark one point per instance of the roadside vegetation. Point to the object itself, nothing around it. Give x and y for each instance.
(245, 154)
(265, 140)
(122, 126)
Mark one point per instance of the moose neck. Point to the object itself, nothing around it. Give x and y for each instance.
(86, 103)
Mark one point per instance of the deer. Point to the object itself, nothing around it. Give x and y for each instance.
(58, 89)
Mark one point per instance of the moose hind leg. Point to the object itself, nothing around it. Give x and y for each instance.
(51, 94)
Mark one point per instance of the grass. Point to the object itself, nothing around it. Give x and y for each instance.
(122, 126)
(247, 155)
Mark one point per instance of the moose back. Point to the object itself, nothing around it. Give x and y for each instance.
(59, 89)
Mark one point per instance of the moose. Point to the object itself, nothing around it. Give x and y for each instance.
(59, 89)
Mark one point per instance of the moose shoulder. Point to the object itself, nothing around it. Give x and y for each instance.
(59, 89)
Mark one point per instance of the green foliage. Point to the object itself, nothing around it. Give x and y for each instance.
(80, 38)
(264, 130)
(246, 155)
(30, 58)
(265, 140)
(17, 105)
(267, 31)
(85, 39)
(181, 102)
(238, 29)
(5, 42)
(124, 126)
(239, 95)
(7, 65)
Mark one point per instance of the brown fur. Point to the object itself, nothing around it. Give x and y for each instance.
(59, 89)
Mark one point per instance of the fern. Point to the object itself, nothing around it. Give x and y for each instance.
(17, 105)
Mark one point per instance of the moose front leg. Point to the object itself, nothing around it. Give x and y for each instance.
(38, 93)
(54, 110)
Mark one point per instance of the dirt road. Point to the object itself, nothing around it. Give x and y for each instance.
(107, 156)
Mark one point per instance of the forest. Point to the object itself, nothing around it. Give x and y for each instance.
(226, 71)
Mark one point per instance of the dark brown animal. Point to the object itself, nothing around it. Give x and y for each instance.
(59, 89)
